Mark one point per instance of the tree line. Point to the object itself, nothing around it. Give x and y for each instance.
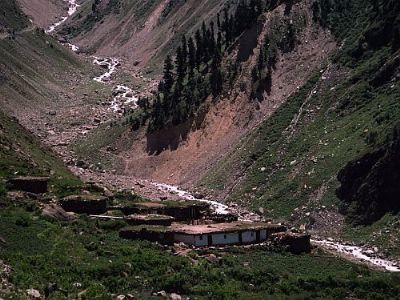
(196, 71)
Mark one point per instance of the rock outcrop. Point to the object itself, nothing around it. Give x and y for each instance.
(370, 185)
(56, 212)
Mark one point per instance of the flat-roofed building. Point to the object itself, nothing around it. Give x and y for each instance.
(221, 234)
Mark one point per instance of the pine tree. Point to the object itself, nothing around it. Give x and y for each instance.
(205, 40)
(212, 43)
(226, 27)
(158, 114)
(180, 65)
(260, 60)
(216, 80)
(219, 41)
(168, 78)
(184, 50)
(199, 50)
(191, 54)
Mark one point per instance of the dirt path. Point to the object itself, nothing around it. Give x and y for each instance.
(16, 33)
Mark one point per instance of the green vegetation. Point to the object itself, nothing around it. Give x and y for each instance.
(335, 117)
(22, 62)
(87, 255)
(93, 146)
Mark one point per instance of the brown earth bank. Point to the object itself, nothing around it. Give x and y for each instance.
(43, 13)
(181, 155)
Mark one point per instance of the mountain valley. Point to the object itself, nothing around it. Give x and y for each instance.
(272, 112)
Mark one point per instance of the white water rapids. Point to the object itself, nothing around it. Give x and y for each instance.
(360, 254)
(72, 8)
(217, 207)
(123, 95)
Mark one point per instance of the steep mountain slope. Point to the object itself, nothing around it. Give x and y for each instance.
(23, 154)
(181, 154)
(288, 167)
(143, 32)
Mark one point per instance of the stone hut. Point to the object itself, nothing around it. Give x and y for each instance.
(179, 210)
(84, 204)
(36, 185)
(295, 242)
(149, 220)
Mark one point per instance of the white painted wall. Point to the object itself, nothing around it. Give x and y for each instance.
(225, 238)
(201, 240)
(184, 238)
(263, 235)
(249, 237)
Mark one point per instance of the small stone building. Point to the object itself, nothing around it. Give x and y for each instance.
(36, 185)
(151, 219)
(222, 234)
(179, 210)
(84, 204)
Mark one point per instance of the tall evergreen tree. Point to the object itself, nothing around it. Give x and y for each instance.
(184, 50)
(180, 65)
(199, 46)
(191, 54)
(216, 80)
(168, 77)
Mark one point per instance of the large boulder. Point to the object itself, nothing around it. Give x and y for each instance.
(57, 212)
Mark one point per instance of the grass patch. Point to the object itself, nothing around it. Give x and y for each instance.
(84, 255)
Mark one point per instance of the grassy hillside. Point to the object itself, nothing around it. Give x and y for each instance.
(87, 258)
(289, 165)
(23, 60)
(23, 154)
